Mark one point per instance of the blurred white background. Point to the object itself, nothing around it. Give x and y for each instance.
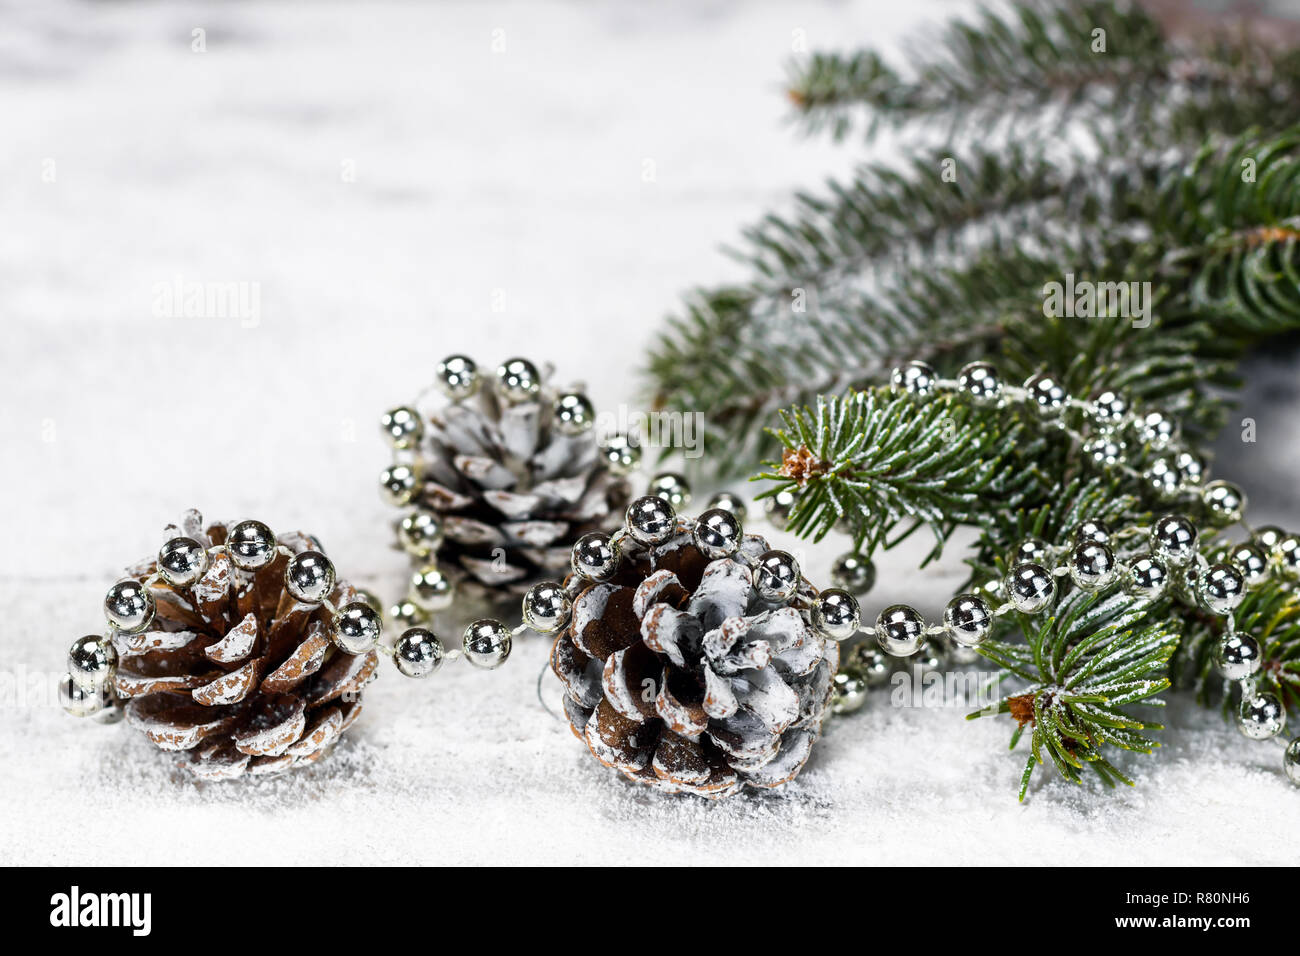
(396, 182)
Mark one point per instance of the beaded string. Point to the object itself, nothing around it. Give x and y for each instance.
(1030, 586)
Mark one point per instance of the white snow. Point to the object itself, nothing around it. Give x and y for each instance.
(553, 199)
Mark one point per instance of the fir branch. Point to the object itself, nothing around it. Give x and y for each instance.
(1085, 665)
(876, 461)
(1233, 221)
(1044, 64)
(886, 215)
(897, 265)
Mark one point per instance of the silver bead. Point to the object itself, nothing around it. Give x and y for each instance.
(1220, 589)
(622, 455)
(1108, 409)
(672, 488)
(405, 614)
(399, 484)
(1173, 538)
(251, 545)
(1225, 502)
(518, 381)
(357, 628)
(1191, 469)
(853, 572)
(1268, 538)
(547, 607)
(981, 382)
(867, 659)
(1103, 451)
(420, 533)
(457, 377)
(848, 692)
(914, 378)
(81, 701)
(1046, 395)
(182, 561)
(403, 426)
(1146, 577)
(1238, 656)
(1031, 551)
(1251, 560)
(968, 619)
(572, 414)
(1156, 430)
(1287, 556)
(650, 520)
(594, 556)
(430, 589)
(718, 533)
(1030, 587)
(1092, 566)
(129, 606)
(1291, 761)
(836, 615)
(91, 661)
(778, 507)
(777, 576)
(899, 630)
(1163, 479)
(417, 652)
(1095, 532)
(486, 643)
(309, 577)
(726, 501)
(1261, 716)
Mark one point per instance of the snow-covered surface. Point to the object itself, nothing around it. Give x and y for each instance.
(500, 205)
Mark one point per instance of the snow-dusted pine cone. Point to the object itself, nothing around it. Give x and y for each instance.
(232, 670)
(680, 674)
(499, 478)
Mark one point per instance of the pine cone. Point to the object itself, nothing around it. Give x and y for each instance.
(680, 675)
(235, 672)
(501, 480)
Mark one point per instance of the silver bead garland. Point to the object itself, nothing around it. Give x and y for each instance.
(1174, 568)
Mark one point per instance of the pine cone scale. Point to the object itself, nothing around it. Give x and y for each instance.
(684, 718)
(236, 645)
(613, 739)
(301, 664)
(344, 675)
(574, 667)
(229, 688)
(327, 727)
(603, 620)
(625, 677)
(172, 724)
